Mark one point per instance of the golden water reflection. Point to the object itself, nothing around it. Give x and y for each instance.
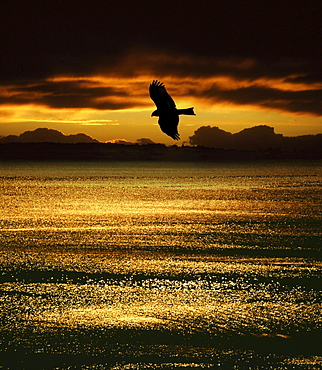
(216, 261)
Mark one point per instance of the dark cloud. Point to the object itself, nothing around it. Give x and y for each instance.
(304, 101)
(98, 94)
(240, 68)
(69, 94)
(307, 78)
(40, 38)
(245, 41)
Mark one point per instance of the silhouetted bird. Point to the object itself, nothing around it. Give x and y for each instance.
(166, 110)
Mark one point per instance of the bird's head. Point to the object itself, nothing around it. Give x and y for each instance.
(155, 114)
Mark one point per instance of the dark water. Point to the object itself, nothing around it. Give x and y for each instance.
(161, 265)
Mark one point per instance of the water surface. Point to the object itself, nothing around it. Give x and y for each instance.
(152, 265)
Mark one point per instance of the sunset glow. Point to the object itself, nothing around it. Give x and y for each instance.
(117, 107)
(70, 72)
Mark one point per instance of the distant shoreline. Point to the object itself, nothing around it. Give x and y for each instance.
(152, 152)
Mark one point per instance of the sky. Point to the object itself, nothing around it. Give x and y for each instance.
(85, 66)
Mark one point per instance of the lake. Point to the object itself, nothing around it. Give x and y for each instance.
(161, 265)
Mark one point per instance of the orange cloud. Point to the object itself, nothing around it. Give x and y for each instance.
(211, 83)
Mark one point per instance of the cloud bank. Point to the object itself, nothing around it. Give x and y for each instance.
(237, 82)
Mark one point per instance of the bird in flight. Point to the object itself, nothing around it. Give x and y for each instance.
(166, 110)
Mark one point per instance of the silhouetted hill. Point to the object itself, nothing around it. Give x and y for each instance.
(258, 137)
(255, 138)
(42, 135)
(210, 144)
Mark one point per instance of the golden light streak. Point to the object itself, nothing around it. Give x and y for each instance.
(90, 122)
(34, 113)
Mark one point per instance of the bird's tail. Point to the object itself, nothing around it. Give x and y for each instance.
(187, 111)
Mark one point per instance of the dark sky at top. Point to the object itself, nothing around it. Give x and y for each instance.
(45, 37)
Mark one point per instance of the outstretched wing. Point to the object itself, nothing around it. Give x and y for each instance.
(160, 96)
(169, 125)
